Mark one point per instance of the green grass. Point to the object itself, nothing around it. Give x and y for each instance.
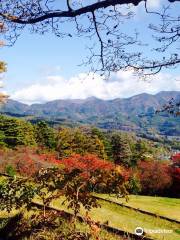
(128, 220)
(168, 207)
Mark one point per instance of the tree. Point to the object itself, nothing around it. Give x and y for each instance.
(121, 150)
(140, 151)
(2, 138)
(87, 163)
(102, 19)
(16, 132)
(64, 140)
(134, 186)
(175, 174)
(25, 160)
(45, 136)
(54, 184)
(3, 69)
(71, 141)
(105, 140)
(155, 177)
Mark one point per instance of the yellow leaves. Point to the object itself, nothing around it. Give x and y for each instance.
(3, 98)
(10, 17)
(120, 169)
(2, 67)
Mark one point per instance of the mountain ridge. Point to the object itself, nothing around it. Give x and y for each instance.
(166, 93)
(136, 113)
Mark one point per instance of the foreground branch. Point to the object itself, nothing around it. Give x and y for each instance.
(71, 13)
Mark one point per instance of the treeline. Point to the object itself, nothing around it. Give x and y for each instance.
(40, 145)
(119, 147)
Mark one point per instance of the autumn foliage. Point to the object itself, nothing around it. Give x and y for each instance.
(154, 176)
(175, 173)
(175, 167)
(25, 160)
(88, 162)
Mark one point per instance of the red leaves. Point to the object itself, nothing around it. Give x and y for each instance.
(26, 161)
(175, 173)
(88, 162)
(154, 176)
(175, 167)
(176, 159)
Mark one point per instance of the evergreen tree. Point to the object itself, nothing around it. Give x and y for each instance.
(2, 138)
(16, 132)
(105, 141)
(45, 135)
(121, 150)
(141, 151)
(64, 142)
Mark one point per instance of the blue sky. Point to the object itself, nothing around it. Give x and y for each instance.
(44, 68)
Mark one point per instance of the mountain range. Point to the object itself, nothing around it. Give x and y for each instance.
(136, 113)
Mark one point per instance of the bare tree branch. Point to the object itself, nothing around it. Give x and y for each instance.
(70, 13)
(100, 20)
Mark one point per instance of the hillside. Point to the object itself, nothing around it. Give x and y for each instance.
(136, 113)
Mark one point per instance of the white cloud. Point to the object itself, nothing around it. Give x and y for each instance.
(153, 4)
(123, 84)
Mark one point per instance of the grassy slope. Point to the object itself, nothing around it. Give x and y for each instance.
(168, 207)
(64, 227)
(128, 220)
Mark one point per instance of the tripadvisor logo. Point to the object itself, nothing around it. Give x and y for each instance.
(139, 231)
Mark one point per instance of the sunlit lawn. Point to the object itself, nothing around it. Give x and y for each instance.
(128, 220)
(168, 207)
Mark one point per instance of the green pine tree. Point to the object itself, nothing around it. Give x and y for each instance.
(45, 135)
(121, 150)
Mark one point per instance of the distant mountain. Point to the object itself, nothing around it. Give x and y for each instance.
(136, 113)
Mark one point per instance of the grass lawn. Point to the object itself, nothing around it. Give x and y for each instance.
(128, 220)
(168, 207)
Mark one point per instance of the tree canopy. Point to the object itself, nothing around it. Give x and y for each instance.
(99, 20)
